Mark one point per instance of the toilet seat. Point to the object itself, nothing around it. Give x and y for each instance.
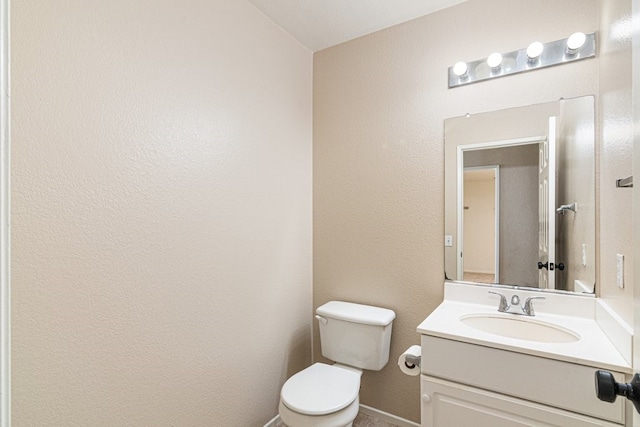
(321, 389)
(343, 417)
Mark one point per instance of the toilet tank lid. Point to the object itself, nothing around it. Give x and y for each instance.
(357, 313)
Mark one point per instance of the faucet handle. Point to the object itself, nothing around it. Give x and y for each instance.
(503, 301)
(528, 306)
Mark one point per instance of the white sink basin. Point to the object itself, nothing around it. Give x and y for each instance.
(519, 327)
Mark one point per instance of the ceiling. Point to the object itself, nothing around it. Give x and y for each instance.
(319, 24)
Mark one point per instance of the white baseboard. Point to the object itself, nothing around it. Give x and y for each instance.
(273, 421)
(384, 416)
(400, 422)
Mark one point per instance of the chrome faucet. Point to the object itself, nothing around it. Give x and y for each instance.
(526, 309)
(503, 307)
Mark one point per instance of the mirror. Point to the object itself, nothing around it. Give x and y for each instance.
(520, 196)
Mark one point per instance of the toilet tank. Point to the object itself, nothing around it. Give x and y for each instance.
(354, 334)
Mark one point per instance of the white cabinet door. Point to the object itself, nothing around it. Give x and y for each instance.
(448, 404)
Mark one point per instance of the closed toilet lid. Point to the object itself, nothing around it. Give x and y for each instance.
(320, 389)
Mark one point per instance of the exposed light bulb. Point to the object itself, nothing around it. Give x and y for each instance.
(534, 51)
(460, 69)
(494, 60)
(575, 42)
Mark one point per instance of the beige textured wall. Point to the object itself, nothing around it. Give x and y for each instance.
(379, 106)
(616, 133)
(161, 212)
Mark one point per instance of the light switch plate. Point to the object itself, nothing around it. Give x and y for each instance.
(448, 240)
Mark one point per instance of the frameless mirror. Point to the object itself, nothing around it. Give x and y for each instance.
(520, 196)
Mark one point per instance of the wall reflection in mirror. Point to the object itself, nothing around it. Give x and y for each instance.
(520, 196)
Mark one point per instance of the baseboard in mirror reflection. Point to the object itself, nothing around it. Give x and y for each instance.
(582, 287)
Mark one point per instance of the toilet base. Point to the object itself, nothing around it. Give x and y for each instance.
(341, 418)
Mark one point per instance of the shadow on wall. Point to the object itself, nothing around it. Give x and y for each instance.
(298, 354)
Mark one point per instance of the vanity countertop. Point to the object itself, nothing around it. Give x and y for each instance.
(593, 348)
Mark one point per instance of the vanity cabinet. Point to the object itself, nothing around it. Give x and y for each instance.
(446, 404)
(510, 371)
(469, 384)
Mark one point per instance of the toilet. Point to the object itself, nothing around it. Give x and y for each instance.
(355, 337)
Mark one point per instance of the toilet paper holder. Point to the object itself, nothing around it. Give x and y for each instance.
(412, 361)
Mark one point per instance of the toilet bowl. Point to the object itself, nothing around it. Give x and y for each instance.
(321, 396)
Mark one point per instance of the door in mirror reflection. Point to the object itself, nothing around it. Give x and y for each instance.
(517, 208)
(546, 209)
(481, 215)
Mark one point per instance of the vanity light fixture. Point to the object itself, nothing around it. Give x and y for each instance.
(460, 69)
(537, 55)
(494, 61)
(534, 51)
(575, 42)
